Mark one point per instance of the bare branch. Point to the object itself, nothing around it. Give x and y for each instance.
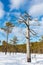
(27, 15)
(33, 31)
(23, 20)
(3, 29)
(35, 25)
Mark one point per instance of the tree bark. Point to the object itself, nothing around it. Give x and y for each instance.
(6, 50)
(7, 36)
(6, 44)
(28, 44)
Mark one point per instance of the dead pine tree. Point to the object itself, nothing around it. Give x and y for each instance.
(26, 18)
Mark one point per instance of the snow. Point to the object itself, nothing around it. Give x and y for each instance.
(20, 59)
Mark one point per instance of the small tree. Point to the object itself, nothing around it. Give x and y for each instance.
(41, 40)
(14, 42)
(8, 29)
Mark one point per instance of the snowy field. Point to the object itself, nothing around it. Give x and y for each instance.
(20, 59)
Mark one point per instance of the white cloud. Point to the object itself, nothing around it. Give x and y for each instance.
(2, 31)
(2, 34)
(16, 3)
(34, 22)
(42, 18)
(36, 10)
(36, 2)
(1, 10)
(19, 33)
(39, 29)
(17, 14)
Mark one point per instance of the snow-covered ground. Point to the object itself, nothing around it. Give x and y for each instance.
(20, 59)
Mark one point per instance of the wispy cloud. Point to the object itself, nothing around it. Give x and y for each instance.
(36, 10)
(2, 12)
(3, 32)
(34, 2)
(15, 4)
(38, 29)
(19, 32)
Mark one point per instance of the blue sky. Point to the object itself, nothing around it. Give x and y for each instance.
(10, 10)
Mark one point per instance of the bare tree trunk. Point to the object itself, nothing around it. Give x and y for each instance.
(5, 50)
(6, 45)
(28, 44)
(7, 37)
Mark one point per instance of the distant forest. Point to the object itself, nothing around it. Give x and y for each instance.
(36, 47)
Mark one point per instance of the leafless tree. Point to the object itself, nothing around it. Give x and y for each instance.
(26, 18)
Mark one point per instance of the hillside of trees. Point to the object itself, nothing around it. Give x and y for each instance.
(36, 47)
